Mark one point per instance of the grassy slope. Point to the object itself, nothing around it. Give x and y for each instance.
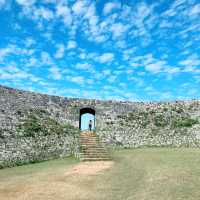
(157, 173)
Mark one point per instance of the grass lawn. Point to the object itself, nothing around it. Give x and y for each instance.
(137, 174)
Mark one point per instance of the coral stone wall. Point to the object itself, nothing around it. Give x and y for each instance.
(126, 124)
(23, 150)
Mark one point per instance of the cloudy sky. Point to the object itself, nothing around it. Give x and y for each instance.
(125, 50)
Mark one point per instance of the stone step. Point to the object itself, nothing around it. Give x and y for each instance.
(94, 156)
(89, 136)
(89, 140)
(95, 150)
(94, 142)
(89, 143)
(92, 138)
(90, 153)
(95, 159)
(92, 145)
(92, 148)
(85, 155)
(94, 153)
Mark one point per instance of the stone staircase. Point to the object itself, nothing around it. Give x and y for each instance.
(92, 149)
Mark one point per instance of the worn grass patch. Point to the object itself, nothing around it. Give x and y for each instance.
(141, 174)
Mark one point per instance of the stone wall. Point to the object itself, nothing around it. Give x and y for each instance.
(23, 150)
(126, 124)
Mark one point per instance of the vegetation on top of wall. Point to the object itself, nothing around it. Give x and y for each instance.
(184, 122)
(160, 120)
(1, 133)
(173, 118)
(39, 122)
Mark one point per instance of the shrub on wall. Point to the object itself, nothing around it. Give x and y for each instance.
(184, 122)
(38, 122)
(165, 118)
(160, 121)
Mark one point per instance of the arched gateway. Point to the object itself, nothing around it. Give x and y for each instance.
(92, 149)
(87, 114)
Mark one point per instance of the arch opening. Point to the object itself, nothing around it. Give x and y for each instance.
(87, 119)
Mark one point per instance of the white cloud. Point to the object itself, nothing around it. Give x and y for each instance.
(29, 41)
(90, 81)
(172, 70)
(195, 10)
(123, 85)
(79, 7)
(91, 28)
(4, 52)
(71, 91)
(192, 60)
(154, 67)
(118, 29)
(106, 72)
(192, 92)
(165, 24)
(65, 13)
(55, 73)
(106, 57)
(43, 13)
(46, 58)
(39, 14)
(32, 62)
(60, 51)
(91, 11)
(76, 79)
(109, 7)
(111, 79)
(2, 3)
(26, 2)
(166, 95)
(15, 74)
(138, 81)
(71, 44)
(85, 66)
(143, 10)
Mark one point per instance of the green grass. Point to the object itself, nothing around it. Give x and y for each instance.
(140, 174)
(29, 170)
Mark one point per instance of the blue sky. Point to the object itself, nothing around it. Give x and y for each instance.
(124, 50)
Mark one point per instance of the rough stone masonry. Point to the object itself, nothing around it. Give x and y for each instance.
(36, 127)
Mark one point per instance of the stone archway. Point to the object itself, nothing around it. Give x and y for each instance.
(87, 110)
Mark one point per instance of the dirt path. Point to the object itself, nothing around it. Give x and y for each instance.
(89, 168)
(59, 184)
